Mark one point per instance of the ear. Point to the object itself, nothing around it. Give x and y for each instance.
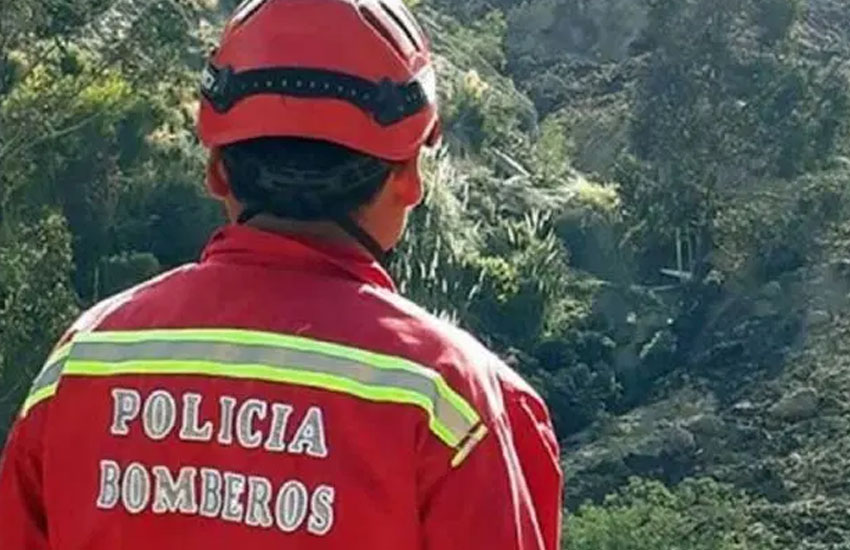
(217, 181)
(406, 181)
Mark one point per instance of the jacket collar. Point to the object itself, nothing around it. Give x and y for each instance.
(248, 245)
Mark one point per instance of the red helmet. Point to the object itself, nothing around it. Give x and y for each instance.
(353, 72)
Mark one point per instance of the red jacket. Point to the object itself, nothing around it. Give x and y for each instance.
(278, 394)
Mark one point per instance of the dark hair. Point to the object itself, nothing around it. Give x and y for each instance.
(302, 179)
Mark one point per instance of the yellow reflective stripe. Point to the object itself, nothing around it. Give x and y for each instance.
(246, 337)
(44, 385)
(275, 356)
(265, 356)
(59, 354)
(37, 397)
(340, 384)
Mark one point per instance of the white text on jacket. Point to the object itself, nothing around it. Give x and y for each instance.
(215, 492)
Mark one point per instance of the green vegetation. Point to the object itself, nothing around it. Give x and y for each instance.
(645, 515)
(643, 205)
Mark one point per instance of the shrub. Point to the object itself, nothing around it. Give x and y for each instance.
(645, 515)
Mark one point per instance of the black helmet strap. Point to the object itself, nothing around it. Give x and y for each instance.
(388, 102)
(346, 224)
(365, 239)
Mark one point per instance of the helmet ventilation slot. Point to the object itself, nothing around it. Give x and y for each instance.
(400, 23)
(246, 9)
(379, 25)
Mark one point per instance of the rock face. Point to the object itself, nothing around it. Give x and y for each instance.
(818, 318)
(799, 405)
(551, 31)
(652, 442)
(705, 425)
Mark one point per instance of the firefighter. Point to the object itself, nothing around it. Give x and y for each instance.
(279, 393)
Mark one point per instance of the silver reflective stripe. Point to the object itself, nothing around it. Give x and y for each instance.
(283, 358)
(49, 376)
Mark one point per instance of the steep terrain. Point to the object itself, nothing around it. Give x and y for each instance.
(759, 396)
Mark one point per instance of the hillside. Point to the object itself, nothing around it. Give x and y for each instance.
(756, 394)
(643, 206)
(745, 381)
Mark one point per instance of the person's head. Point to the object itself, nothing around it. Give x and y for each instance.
(315, 111)
(307, 180)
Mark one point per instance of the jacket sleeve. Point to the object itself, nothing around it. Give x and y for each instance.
(506, 494)
(23, 517)
(23, 522)
(539, 455)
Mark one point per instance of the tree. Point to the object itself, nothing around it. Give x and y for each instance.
(95, 124)
(717, 109)
(36, 304)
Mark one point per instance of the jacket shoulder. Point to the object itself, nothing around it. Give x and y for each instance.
(95, 316)
(434, 340)
(455, 349)
(45, 383)
(452, 351)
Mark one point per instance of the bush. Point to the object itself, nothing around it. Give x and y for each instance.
(36, 303)
(122, 271)
(433, 264)
(645, 515)
(477, 116)
(771, 229)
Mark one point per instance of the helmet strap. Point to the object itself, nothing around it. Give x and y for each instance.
(386, 101)
(365, 239)
(248, 214)
(346, 224)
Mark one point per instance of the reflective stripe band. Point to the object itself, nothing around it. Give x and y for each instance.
(277, 358)
(44, 385)
(48, 377)
(246, 338)
(59, 354)
(37, 397)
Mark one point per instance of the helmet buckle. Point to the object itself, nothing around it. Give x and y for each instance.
(218, 87)
(389, 105)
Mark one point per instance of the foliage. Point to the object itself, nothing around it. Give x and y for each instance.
(774, 227)
(528, 277)
(745, 111)
(99, 187)
(487, 34)
(433, 264)
(697, 515)
(36, 302)
(477, 117)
